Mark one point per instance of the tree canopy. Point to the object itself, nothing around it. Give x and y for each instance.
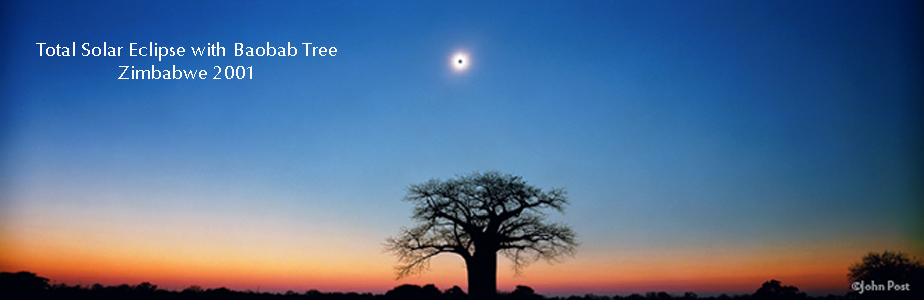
(886, 266)
(889, 266)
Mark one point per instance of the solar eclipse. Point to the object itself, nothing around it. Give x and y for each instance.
(460, 62)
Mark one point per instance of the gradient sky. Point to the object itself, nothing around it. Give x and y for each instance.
(706, 146)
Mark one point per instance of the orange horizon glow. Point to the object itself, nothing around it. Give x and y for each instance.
(735, 271)
(254, 253)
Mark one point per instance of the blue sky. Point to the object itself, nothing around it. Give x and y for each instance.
(684, 126)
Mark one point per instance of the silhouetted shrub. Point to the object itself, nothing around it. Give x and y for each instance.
(595, 297)
(313, 294)
(774, 290)
(635, 296)
(409, 292)
(522, 292)
(454, 293)
(23, 285)
(658, 295)
(430, 292)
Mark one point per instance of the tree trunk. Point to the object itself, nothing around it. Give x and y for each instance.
(482, 275)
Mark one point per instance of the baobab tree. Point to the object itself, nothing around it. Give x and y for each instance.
(477, 216)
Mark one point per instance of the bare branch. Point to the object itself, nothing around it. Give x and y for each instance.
(415, 246)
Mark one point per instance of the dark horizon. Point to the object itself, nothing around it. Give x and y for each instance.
(29, 279)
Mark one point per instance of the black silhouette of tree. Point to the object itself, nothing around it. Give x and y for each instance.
(523, 292)
(657, 295)
(886, 266)
(895, 266)
(145, 287)
(476, 216)
(689, 295)
(431, 292)
(193, 289)
(774, 290)
(454, 293)
(22, 285)
(414, 292)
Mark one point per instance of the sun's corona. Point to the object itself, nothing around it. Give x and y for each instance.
(460, 62)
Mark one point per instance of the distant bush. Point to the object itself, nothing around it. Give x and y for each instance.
(774, 290)
(23, 285)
